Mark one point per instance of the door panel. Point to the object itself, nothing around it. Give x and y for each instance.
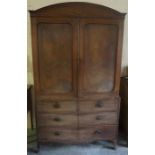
(56, 52)
(97, 55)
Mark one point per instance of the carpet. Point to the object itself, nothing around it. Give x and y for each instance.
(86, 149)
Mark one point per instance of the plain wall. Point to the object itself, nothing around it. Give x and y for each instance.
(119, 5)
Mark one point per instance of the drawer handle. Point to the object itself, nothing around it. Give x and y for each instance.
(56, 105)
(57, 119)
(56, 133)
(99, 104)
(98, 132)
(99, 117)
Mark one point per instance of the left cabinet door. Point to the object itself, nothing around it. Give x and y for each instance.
(54, 55)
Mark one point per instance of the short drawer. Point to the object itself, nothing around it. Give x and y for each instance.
(98, 119)
(56, 134)
(56, 120)
(97, 133)
(56, 106)
(97, 106)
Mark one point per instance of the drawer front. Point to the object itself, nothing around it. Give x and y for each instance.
(97, 106)
(57, 106)
(56, 134)
(97, 133)
(98, 119)
(57, 120)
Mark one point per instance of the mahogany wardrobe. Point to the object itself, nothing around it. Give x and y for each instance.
(77, 65)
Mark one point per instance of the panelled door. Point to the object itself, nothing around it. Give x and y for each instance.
(98, 48)
(57, 56)
(76, 57)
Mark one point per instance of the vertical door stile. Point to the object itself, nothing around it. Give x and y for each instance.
(75, 57)
(78, 72)
(80, 57)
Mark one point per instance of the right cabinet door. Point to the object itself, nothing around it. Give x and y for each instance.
(98, 55)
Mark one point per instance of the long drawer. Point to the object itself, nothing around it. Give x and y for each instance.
(98, 119)
(97, 133)
(57, 120)
(57, 106)
(98, 106)
(56, 135)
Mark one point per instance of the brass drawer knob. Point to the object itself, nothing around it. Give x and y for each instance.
(56, 133)
(99, 104)
(57, 119)
(97, 132)
(98, 117)
(56, 105)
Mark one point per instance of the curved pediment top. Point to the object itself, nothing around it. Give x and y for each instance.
(77, 9)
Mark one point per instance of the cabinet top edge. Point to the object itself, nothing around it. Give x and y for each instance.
(76, 9)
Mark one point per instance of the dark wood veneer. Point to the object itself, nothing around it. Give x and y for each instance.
(77, 63)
